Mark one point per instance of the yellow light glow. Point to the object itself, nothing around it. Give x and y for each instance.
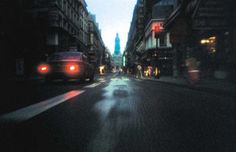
(146, 73)
(102, 69)
(212, 38)
(209, 40)
(156, 71)
(205, 41)
(214, 50)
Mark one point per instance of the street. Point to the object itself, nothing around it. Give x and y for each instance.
(116, 113)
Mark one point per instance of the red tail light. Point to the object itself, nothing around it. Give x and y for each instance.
(72, 68)
(43, 68)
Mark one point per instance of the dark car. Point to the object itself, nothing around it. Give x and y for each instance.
(67, 65)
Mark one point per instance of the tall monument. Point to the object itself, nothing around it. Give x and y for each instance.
(117, 45)
(117, 57)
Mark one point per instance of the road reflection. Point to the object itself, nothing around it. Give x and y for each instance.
(116, 111)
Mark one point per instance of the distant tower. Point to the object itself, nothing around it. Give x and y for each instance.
(117, 54)
(117, 45)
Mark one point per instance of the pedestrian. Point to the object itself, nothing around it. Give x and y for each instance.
(193, 70)
(139, 71)
(156, 72)
(149, 71)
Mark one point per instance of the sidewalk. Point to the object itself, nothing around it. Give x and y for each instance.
(213, 86)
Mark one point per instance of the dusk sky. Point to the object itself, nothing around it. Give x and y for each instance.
(113, 16)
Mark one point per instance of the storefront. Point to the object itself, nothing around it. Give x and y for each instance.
(202, 33)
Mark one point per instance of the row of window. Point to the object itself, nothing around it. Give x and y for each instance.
(75, 12)
(162, 41)
(78, 24)
(79, 17)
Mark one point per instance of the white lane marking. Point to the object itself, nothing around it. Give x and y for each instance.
(102, 81)
(34, 110)
(122, 78)
(93, 85)
(138, 80)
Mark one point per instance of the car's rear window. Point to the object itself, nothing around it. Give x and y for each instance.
(65, 56)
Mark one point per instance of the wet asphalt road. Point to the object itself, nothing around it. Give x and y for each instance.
(123, 114)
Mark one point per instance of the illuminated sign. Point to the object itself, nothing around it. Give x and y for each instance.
(157, 27)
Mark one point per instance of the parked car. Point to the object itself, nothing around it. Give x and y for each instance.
(67, 65)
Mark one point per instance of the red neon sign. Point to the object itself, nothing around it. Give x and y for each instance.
(157, 27)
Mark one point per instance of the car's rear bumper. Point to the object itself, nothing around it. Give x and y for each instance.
(62, 75)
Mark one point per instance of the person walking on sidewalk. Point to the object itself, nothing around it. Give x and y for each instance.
(139, 71)
(156, 73)
(193, 70)
(149, 72)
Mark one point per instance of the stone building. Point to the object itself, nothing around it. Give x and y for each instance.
(204, 30)
(135, 43)
(158, 49)
(96, 45)
(30, 30)
(142, 44)
(64, 23)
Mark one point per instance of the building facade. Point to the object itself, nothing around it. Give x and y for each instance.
(135, 43)
(33, 29)
(158, 49)
(142, 45)
(97, 47)
(63, 22)
(204, 30)
(208, 36)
